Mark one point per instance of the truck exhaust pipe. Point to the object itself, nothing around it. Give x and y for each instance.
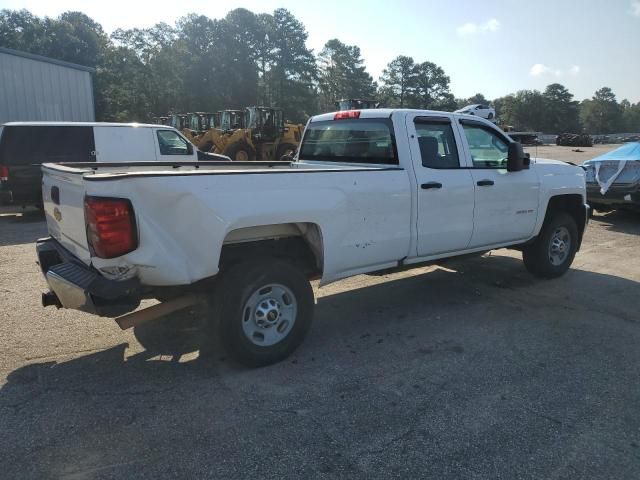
(50, 299)
(160, 310)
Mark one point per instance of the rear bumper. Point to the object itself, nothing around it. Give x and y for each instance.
(76, 286)
(616, 196)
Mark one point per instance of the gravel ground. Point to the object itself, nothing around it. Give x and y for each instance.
(470, 370)
(569, 154)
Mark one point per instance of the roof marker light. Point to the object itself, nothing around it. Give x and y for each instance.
(347, 114)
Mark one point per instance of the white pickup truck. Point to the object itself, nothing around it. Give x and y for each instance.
(368, 190)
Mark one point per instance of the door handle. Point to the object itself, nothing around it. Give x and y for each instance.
(484, 183)
(426, 186)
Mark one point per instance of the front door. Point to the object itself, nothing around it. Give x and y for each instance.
(173, 147)
(444, 189)
(506, 203)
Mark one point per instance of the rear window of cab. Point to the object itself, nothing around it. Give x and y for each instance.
(367, 140)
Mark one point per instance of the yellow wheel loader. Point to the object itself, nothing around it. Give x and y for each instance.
(222, 126)
(264, 136)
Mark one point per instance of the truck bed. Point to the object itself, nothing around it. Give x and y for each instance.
(106, 171)
(185, 212)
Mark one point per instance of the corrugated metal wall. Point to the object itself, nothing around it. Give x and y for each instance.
(32, 90)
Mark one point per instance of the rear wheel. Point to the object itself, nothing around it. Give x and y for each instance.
(240, 152)
(553, 251)
(490, 116)
(262, 311)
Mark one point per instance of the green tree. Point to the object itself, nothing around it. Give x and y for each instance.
(342, 74)
(478, 98)
(601, 114)
(119, 86)
(73, 36)
(264, 53)
(21, 30)
(294, 70)
(431, 88)
(561, 111)
(523, 110)
(162, 63)
(398, 82)
(630, 116)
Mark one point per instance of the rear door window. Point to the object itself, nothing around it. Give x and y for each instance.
(27, 145)
(437, 144)
(350, 141)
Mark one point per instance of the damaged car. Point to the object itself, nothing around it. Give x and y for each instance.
(613, 179)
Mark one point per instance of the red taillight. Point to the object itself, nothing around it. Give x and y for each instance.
(4, 173)
(346, 114)
(111, 226)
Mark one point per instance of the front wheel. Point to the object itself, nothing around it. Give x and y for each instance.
(553, 251)
(240, 152)
(263, 310)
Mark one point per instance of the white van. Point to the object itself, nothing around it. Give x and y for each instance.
(24, 146)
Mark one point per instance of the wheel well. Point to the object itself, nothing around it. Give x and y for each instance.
(571, 204)
(297, 243)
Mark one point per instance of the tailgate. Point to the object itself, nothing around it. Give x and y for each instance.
(63, 197)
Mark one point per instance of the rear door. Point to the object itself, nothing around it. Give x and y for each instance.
(444, 187)
(506, 203)
(25, 147)
(124, 144)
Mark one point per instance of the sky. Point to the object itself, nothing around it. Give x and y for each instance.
(494, 47)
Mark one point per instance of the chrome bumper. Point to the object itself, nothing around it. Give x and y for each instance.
(76, 286)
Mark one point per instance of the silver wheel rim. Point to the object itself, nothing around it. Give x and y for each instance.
(269, 315)
(559, 246)
(242, 156)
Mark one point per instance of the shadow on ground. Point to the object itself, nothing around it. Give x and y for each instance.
(476, 370)
(623, 221)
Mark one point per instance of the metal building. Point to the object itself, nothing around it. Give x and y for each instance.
(35, 88)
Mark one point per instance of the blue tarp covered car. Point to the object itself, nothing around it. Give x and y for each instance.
(613, 179)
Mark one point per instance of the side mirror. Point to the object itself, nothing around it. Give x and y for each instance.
(516, 158)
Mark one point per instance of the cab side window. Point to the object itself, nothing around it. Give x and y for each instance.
(437, 144)
(487, 148)
(171, 143)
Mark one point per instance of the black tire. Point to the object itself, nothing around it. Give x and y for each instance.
(284, 148)
(537, 256)
(240, 151)
(232, 313)
(490, 116)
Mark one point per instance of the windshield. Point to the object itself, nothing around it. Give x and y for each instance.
(352, 141)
